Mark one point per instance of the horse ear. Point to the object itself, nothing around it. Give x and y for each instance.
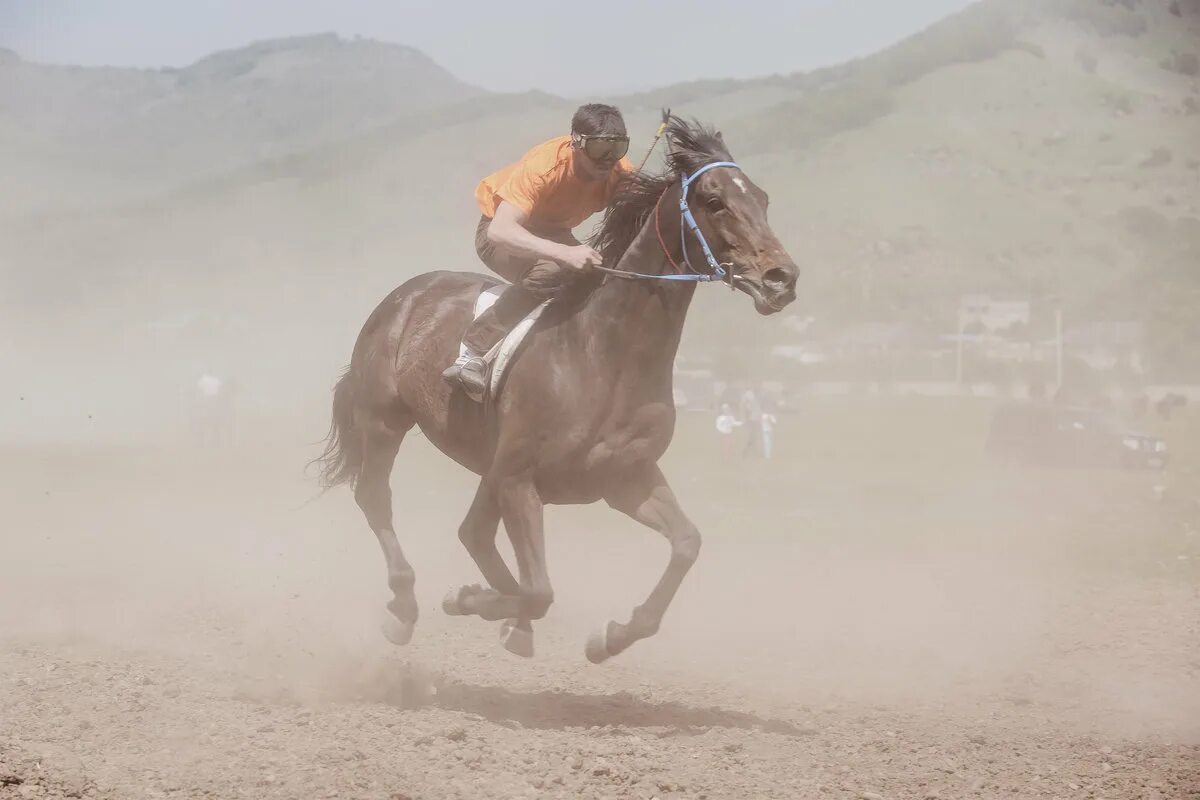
(720, 138)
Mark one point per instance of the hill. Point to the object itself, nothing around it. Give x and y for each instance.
(1047, 150)
(74, 135)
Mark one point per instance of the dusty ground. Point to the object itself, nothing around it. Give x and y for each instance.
(184, 624)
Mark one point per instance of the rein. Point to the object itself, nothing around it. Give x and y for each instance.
(686, 222)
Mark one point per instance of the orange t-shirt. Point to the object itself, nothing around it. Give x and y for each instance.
(545, 186)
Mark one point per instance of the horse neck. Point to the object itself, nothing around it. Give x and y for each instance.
(640, 322)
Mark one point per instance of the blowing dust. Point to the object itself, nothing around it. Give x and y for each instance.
(839, 581)
(879, 608)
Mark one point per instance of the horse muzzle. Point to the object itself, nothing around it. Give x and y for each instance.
(771, 290)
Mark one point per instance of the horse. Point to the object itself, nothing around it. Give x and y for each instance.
(586, 410)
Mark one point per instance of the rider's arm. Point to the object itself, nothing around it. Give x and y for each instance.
(508, 231)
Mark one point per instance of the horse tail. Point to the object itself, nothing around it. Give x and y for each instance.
(342, 458)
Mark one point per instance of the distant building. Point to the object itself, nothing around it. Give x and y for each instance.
(1106, 345)
(871, 339)
(989, 314)
(858, 341)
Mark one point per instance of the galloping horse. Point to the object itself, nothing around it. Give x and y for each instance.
(586, 409)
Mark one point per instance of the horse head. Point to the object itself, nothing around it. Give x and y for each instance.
(730, 214)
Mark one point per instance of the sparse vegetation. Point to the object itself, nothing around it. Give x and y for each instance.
(1086, 58)
(1158, 157)
(976, 34)
(1183, 63)
(848, 96)
(1119, 101)
(1033, 48)
(1105, 20)
(817, 116)
(1143, 223)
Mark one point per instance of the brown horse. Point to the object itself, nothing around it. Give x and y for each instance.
(586, 409)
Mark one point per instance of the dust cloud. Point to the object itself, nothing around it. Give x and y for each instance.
(880, 609)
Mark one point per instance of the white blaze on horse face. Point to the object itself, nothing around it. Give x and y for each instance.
(741, 184)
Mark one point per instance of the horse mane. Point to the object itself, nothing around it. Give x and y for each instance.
(690, 146)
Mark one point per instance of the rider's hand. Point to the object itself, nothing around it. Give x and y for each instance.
(580, 258)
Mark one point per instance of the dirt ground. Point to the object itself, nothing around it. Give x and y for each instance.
(183, 623)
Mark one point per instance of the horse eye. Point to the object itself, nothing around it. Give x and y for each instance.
(715, 204)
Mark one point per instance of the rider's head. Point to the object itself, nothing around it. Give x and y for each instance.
(598, 139)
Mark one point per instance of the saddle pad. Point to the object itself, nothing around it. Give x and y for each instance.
(500, 356)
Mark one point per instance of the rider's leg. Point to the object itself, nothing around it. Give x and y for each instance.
(512, 306)
(532, 283)
(469, 370)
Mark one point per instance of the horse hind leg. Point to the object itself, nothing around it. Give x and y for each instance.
(523, 515)
(373, 494)
(503, 600)
(518, 604)
(478, 533)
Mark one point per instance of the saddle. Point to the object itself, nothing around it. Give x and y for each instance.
(502, 354)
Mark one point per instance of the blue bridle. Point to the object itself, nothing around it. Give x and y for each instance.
(688, 222)
(685, 216)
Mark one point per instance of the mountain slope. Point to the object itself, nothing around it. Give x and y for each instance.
(156, 127)
(1058, 156)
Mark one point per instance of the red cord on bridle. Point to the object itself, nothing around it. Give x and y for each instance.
(658, 230)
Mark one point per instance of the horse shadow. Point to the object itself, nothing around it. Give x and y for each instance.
(554, 709)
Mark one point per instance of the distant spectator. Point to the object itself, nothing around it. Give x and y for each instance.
(767, 424)
(1169, 404)
(1140, 406)
(726, 424)
(209, 386)
(750, 410)
(214, 420)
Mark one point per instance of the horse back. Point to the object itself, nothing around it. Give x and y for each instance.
(406, 342)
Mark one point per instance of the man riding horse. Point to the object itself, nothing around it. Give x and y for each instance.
(587, 410)
(524, 235)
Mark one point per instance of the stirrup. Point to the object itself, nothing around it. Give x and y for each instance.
(456, 374)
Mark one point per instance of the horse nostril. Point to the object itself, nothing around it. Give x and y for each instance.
(777, 276)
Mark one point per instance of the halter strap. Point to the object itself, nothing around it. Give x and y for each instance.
(685, 216)
(686, 222)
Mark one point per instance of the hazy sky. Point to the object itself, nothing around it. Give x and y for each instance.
(563, 46)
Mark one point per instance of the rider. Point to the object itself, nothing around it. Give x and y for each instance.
(524, 235)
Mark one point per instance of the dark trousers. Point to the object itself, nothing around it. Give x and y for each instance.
(533, 281)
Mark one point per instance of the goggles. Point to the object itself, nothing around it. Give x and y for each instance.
(603, 147)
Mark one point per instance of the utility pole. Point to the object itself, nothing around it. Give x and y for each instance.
(958, 368)
(1058, 346)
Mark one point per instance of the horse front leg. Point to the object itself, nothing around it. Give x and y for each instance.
(647, 498)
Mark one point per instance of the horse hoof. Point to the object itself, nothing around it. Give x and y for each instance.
(516, 640)
(452, 603)
(597, 646)
(397, 631)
